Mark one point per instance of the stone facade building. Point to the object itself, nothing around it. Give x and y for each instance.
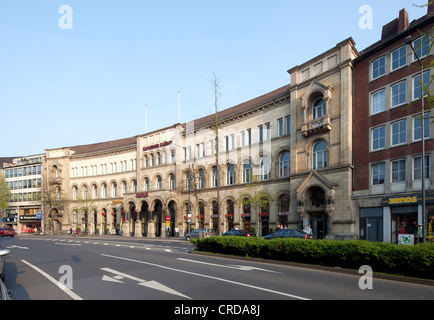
(284, 158)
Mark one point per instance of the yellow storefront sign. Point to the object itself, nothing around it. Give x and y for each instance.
(403, 200)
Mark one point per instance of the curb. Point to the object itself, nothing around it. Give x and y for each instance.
(419, 281)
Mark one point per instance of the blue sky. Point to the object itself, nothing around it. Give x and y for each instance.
(91, 83)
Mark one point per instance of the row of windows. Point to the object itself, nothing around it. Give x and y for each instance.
(26, 196)
(398, 170)
(23, 171)
(398, 132)
(103, 169)
(25, 184)
(104, 191)
(399, 58)
(262, 134)
(398, 93)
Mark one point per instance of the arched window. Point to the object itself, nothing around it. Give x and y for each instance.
(74, 193)
(172, 182)
(230, 175)
(172, 155)
(85, 193)
(124, 188)
(201, 179)
(158, 159)
(146, 162)
(284, 164)
(284, 203)
(247, 172)
(104, 191)
(159, 183)
(94, 192)
(114, 190)
(146, 184)
(134, 186)
(214, 177)
(188, 181)
(319, 155)
(152, 160)
(318, 109)
(265, 168)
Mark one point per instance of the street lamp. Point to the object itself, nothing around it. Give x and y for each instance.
(408, 40)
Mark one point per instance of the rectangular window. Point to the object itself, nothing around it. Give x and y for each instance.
(379, 101)
(417, 127)
(399, 58)
(417, 85)
(243, 138)
(378, 174)
(378, 68)
(280, 127)
(261, 133)
(288, 124)
(417, 165)
(399, 93)
(267, 131)
(399, 132)
(421, 46)
(232, 141)
(249, 136)
(399, 171)
(379, 138)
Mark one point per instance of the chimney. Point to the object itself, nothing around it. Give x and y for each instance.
(396, 26)
(403, 20)
(430, 7)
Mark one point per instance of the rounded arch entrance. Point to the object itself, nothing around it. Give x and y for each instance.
(156, 218)
(171, 216)
(317, 211)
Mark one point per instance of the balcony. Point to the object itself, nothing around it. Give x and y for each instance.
(316, 126)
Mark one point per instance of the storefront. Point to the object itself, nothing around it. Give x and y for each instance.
(394, 216)
(29, 220)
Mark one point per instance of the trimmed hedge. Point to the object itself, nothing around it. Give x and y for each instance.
(414, 261)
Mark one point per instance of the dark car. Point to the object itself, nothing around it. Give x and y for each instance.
(197, 233)
(288, 233)
(5, 231)
(240, 233)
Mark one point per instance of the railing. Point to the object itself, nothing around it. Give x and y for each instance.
(316, 126)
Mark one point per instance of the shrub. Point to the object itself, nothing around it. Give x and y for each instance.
(415, 261)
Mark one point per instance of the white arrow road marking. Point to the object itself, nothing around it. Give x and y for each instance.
(13, 246)
(243, 268)
(110, 279)
(231, 281)
(149, 284)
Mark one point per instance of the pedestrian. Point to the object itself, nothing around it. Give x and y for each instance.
(401, 230)
(419, 234)
(76, 232)
(308, 229)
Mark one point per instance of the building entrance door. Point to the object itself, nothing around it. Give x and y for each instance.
(319, 225)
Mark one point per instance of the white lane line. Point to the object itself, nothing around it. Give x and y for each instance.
(57, 283)
(242, 268)
(209, 277)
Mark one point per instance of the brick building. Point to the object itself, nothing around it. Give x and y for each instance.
(387, 131)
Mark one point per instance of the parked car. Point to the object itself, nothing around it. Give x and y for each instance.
(197, 233)
(5, 294)
(6, 231)
(288, 233)
(3, 254)
(241, 233)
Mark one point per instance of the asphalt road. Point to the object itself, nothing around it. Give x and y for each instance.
(163, 270)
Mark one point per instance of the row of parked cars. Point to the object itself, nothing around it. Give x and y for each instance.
(280, 233)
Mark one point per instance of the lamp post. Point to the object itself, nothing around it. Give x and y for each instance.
(408, 40)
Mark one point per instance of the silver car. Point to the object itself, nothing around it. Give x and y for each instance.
(198, 233)
(4, 293)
